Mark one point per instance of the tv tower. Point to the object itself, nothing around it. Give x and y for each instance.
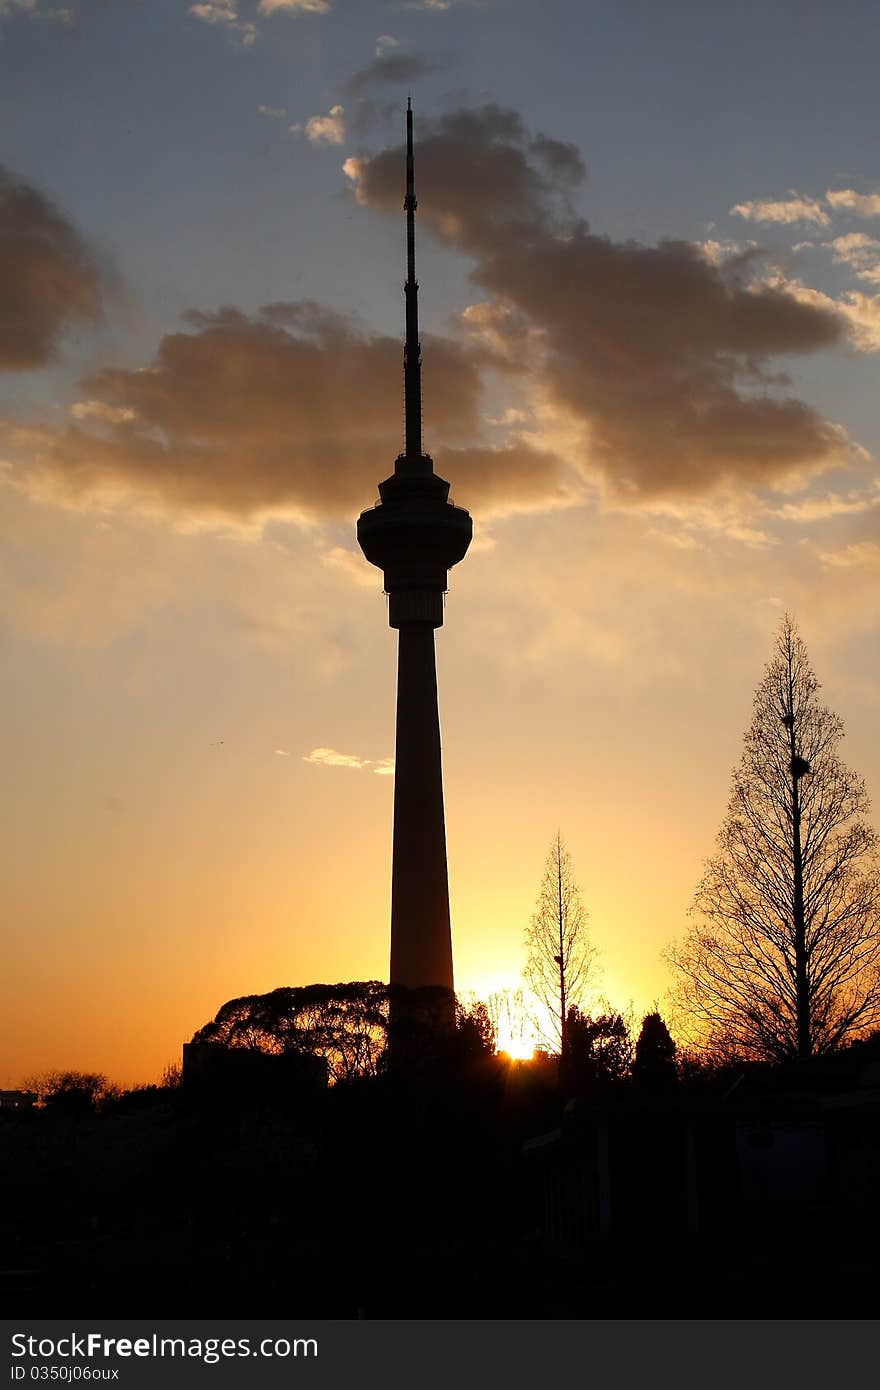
(415, 535)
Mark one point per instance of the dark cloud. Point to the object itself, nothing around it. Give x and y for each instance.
(388, 69)
(48, 277)
(664, 356)
(482, 182)
(515, 477)
(292, 409)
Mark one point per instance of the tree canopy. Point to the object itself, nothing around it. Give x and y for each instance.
(784, 957)
(654, 1065)
(596, 1052)
(344, 1024)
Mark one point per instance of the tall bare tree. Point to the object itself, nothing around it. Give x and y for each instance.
(559, 953)
(784, 959)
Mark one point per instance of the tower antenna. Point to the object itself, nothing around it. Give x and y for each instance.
(412, 352)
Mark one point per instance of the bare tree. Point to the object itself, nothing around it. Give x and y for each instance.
(784, 960)
(559, 953)
(510, 1020)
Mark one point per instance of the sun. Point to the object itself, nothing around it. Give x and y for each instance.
(520, 1049)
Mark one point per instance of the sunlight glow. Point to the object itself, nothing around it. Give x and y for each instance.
(520, 1049)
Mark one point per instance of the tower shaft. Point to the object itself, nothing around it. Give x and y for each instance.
(421, 937)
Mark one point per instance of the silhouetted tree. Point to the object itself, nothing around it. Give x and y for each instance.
(595, 1051)
(654, 1065)
(785, 958)
(74, 1092)
(559, 954)
(171, 1076)
(345, 1024)
(476, 1032)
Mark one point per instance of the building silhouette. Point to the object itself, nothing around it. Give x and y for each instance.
(414, 534)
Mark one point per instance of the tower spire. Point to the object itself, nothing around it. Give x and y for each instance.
(412, 352)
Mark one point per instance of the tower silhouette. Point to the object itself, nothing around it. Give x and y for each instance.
(415, 535)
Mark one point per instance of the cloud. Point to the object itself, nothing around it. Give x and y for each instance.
(384, 42)
(662, 356)
(515, 477)
(225, 13)
(860, 252)
(352, 564)
(645, 369)
(717, 252)
(62, 15)
(216, 11)
(389, 68)
(848, 200)
(328, 757)
(862, 312)
(272, 113)
(99, 410)
(269, 7)
(787, 210)
(831, 504)
(502, 331)
(324, 130)
(438, 6)
(293, 411)
(480, 178)
(862, 555)
(49, 279)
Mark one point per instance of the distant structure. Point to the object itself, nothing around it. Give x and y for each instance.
(415, 535)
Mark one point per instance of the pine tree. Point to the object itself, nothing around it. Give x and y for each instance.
(654, 1067)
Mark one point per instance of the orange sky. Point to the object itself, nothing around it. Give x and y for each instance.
(651, 380)
(154, 871)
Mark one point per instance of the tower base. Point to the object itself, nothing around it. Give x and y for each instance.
(421, 1025)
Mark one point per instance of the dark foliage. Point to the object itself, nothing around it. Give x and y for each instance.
(654, 1065)
(345, 1024)
(73, 1092)
(596, 1052)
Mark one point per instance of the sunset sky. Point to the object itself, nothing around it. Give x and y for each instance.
(649, 254)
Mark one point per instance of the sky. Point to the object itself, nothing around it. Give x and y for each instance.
(649, 255)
